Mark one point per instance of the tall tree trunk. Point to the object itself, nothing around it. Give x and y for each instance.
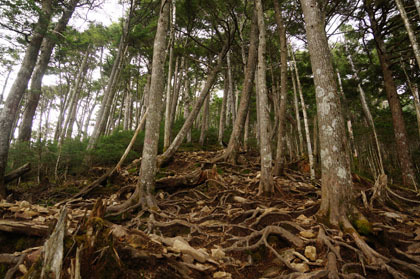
(279, 164)
(211, 77)
(144, 191)
(167, 129)
(411, 35)
(11, 106)
(47, 46)
(337, 184)
(266, 186)
(417, 3)
(187, 102)
(103, 115)
(415, 92)
(305, 118)
(400, 133)
(231, 152)
(231, 111)
(223, 110)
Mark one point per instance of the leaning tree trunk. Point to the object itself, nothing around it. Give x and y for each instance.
(11, 106)
(400, 132)
(167, 155)
(205, 121)
(411, 35)
(143, 194)
(48, 43)
(231, 152)
(5, 85)
(279, 164)
(337, 185)
(266, 186)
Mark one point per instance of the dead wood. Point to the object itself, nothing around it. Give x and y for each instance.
(23, 227)
(17, 173)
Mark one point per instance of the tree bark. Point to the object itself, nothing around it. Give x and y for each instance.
(279, 164)
(47, 46)
(144, 191)
(296, 103)
(11, 106)
(204, 121)
(336, 174)
(400, 132)
(266, 186)
(231, 152)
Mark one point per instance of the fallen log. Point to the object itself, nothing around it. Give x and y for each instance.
(17, 173)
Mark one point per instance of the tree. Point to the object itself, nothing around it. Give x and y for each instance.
(11, 106)
(266, 186)
(143, 194)
(47, 47)
(336, 200)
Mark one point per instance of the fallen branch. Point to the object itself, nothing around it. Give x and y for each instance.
(17, 173)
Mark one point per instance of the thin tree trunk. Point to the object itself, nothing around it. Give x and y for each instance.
(143, 194)
(279, 163)
(47, 47)
(296, 103)
(411, 35)
(336, 174)
(417, 3)
(167, 129)
(266, 186)
(11, 106)
(211, 77)
(231, 113)
(223, 110)
(4, 86)
(205, 121)
(231, 152)
(305, 118)
(415, 92)
(400, 132)
(187, 102)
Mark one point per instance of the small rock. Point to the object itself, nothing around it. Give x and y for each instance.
(239, 199)
(185, 248)
(301, 267)
(200, 203)
(307, 234)
(222, 274)
(310, 253)
(217, 253)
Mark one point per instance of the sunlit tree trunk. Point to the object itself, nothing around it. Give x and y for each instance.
(47, 47)
(305, 118)
(400, 132)
(266, 186)
(11, 107)
(279, 163)
(336, 200)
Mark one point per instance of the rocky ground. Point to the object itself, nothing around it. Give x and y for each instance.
(210, 224)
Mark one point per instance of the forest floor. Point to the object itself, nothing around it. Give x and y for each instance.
(210, 224)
